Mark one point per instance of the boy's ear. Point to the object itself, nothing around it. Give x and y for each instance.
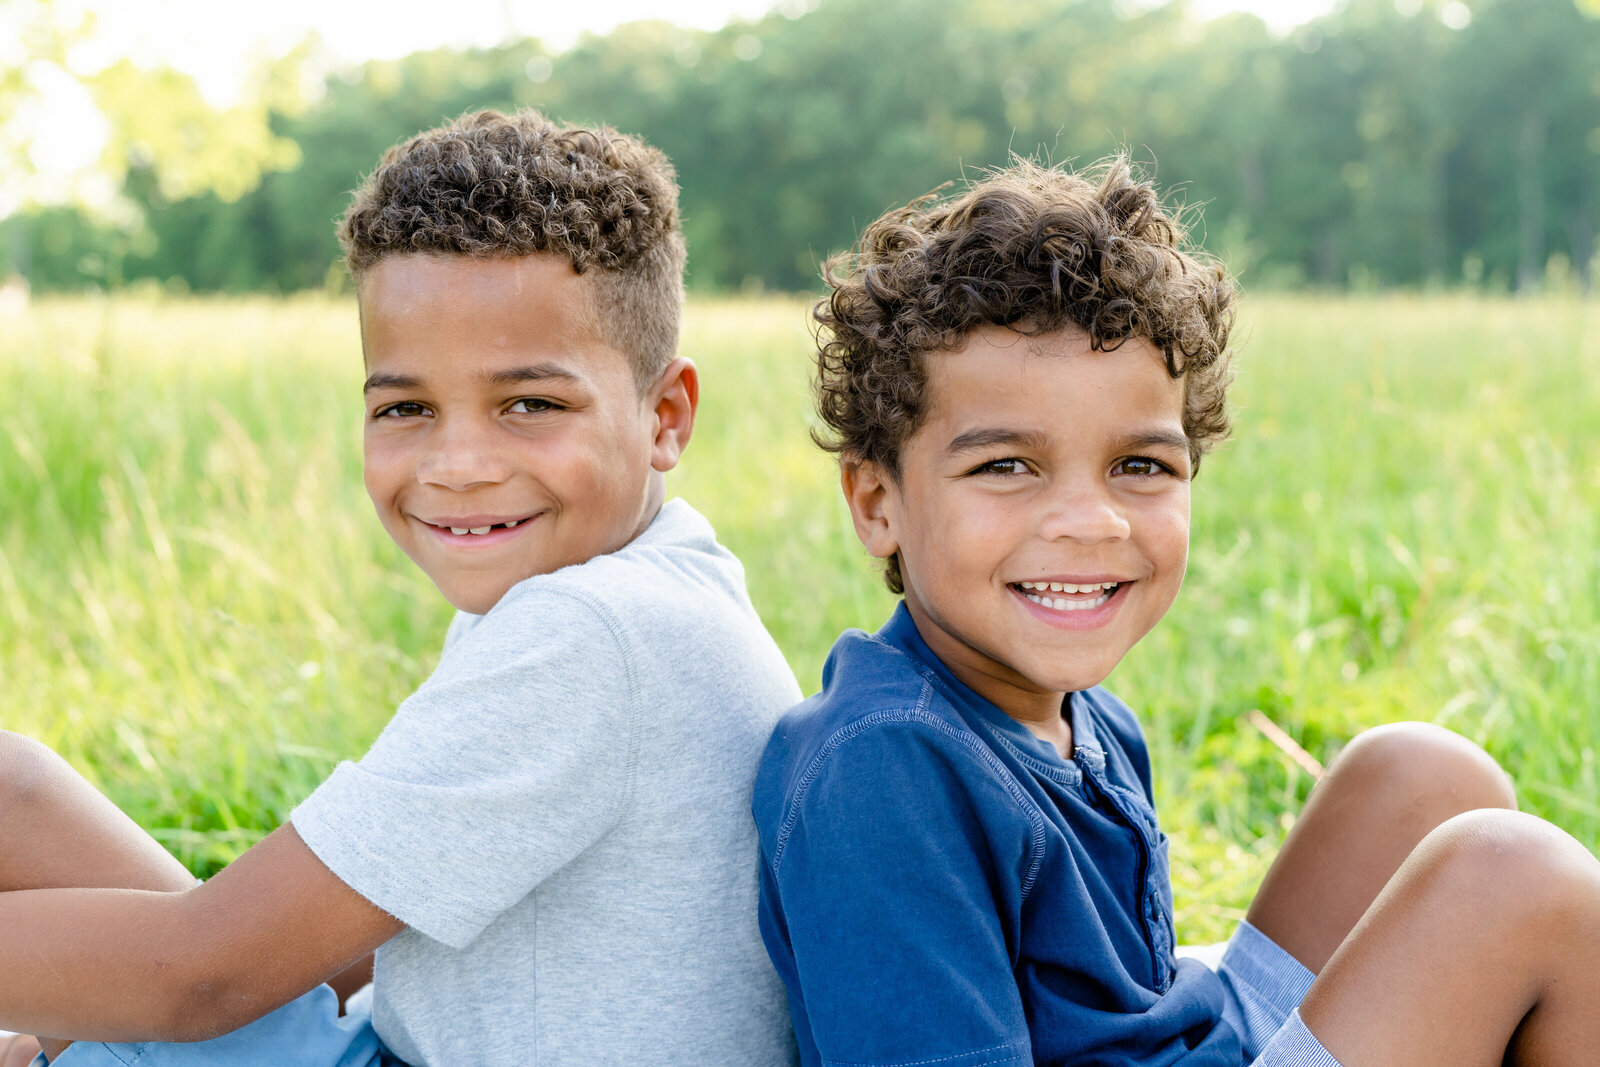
(673, 400)
(869, 492)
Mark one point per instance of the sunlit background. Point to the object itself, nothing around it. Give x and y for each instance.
(1367, 144)
(198, 608)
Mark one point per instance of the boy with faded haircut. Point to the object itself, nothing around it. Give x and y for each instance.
(961, 863)
(548, 845)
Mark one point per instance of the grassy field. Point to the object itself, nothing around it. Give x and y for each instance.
(199, 610)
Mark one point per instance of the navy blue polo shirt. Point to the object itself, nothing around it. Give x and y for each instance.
(939, 886)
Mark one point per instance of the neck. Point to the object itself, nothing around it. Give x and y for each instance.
(655, 494)
(1040, 710)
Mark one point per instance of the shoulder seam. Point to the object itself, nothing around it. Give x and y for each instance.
(918, 713)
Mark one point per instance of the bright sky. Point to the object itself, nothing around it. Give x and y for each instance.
(218, 42)
(214, 41)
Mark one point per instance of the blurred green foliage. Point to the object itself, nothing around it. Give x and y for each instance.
(1394, 142)
(161, 142)
(198, 608)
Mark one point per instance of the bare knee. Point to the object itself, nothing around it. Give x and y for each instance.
(33, 778)
(1517, 871)
(26, 769)
(1421, 767)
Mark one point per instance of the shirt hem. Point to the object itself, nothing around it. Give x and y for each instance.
(1011, 1052)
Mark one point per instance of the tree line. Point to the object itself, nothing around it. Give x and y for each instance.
(1392, 143)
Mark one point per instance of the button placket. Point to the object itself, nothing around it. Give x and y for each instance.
(1142, 822)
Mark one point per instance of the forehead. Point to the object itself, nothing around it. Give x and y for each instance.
(429, 305)
(1053, 384)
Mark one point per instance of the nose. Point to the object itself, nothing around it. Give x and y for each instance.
(1084, 511)
(461, 456)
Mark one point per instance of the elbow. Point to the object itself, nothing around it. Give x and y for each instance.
(185, 1016)
(174, 1007)
(203, 1009)
(204, 982)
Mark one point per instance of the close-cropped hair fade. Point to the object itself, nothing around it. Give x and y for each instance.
(490, 184)
(1031, 248)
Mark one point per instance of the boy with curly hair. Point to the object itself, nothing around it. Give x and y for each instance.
(961, 862)
(549, 845)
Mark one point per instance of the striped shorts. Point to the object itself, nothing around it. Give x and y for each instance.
(1265, 986)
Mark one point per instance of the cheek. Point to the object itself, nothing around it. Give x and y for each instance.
(621, 438)
(1170, 537)
(373, 473)
(949, 538)
(984, 527)
(605, 468)
(380, 470)
(946, 510)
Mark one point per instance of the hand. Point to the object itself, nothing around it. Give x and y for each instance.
(17, 1050)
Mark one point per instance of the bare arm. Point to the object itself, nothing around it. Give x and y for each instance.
(130, 965)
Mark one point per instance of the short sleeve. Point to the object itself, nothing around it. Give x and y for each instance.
(510, 761)
(889, 882)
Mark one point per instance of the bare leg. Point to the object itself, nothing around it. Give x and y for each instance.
(347, 981)
(58, 831)
(17, 1050)
(1481, 950)
(1386, 791)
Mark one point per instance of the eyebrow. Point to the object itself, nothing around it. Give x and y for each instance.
(1032, 440)
(390, 381)
(1154, 439)
(988, 437)
(537, 372)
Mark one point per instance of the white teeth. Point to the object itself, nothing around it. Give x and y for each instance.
(462, 531)
(1067, 587)
(1069, 605)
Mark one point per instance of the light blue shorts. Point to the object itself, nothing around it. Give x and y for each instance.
(1264, 988)
(308, 1032)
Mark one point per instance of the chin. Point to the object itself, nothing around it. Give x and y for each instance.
(473, 601)
(1078, 684)
(1070, 681)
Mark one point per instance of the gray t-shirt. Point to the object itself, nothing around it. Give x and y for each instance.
(561, 816)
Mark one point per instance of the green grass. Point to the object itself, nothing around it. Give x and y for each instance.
(198, 609)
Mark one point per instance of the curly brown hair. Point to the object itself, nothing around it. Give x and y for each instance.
(1032, 248)
(490, 184)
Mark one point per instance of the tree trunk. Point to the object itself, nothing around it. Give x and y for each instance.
(1252, 182)
(1327, 261)
(1530, 203)
(1580, 243)
(19, 249)
(1435, 241)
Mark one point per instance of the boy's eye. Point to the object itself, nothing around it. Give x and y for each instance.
(531, 405)
(1004, 468)
(405, 409)
(1140, 467)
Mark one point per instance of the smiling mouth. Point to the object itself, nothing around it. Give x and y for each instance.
(1065, 596)
(479, 531)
